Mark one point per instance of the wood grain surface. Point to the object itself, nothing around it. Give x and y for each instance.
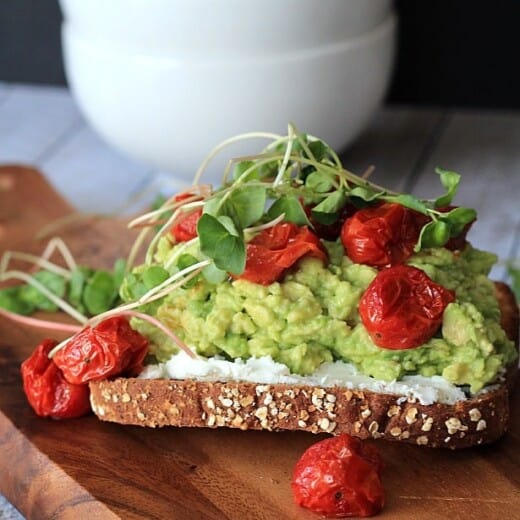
(87, 469)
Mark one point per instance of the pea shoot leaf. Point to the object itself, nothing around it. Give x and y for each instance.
(242, 167)
(96, 291)
(301, 140)
(319, 182)
(408, 201)
(77, 284)
(434, 234)
(53, 282)
(445, 226)
(365, 193)
(450, 180)
(10, 301)
(132, 287)
(458, 218)
(119, 271)
(256, 172)
(319, 149)
(291, 207)
(186, 260)
(183, 262)
(327, 211)
(213, 274)
(154, 275)
(222, 241)
(100, 292)
(248, 204)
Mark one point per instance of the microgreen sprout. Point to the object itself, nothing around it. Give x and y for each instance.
(173, 282)
(43, 282)
(43, 290)
(78, 291)
(293, 171)
(57, 244)
(180, 250)
(228, 142)
(286, 157)
(256, 229)
(37, 261)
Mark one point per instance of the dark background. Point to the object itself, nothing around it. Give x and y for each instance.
(450, 53)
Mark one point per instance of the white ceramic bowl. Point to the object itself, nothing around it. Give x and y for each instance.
(171, 111)
(208, 27)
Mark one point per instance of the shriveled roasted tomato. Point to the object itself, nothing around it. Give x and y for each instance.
(186, 227)
(339, 477)
(276, 249)
(330, 231)
(402, 308)
(383, 235)
(48, 392)
(108, 349)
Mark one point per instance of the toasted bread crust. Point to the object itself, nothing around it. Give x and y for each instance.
(154, 403)
(365, 414)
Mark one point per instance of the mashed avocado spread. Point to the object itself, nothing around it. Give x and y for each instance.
(241, 271)
(311, 317)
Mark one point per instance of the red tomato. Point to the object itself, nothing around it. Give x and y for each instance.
(186, 228)
(330, 231)
(383, 235)
(108, 349)
(402, 308)
(276, 249)
(339, 477)
(48, 392)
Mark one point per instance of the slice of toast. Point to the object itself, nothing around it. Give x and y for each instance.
(365, 414)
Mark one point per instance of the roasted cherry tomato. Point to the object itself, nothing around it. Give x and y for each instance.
(108, 349)
(48, 392)
(330, 231)
(339, 477)
(402, 308)
(186, 227)
(382, 236)
(276, 249)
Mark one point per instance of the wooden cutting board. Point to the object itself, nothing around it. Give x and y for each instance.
(84, 468)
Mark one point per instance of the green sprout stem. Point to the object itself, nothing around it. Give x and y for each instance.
(228, 142)
(35, 260)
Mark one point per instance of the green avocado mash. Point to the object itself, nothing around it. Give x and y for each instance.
(311, 317)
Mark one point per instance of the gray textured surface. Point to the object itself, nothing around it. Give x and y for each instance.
(7, 511)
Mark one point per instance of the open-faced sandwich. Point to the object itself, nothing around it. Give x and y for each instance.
(300, 296)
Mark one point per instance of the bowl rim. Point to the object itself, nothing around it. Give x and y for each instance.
(341, 20)
(383, 30)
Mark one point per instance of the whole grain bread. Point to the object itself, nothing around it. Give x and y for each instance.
(365, 414)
